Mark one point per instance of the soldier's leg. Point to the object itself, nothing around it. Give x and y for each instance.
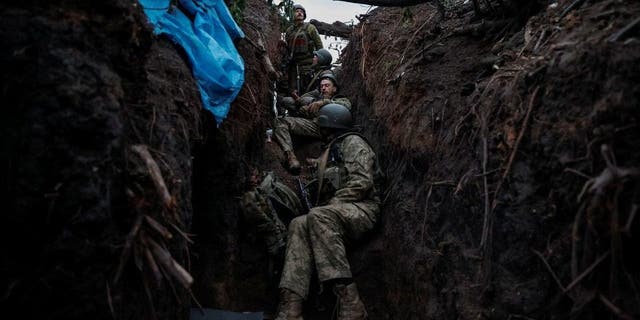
(287, 126)
(304, 127)
(306, 100)
(298, 263)
(293, 125)
(259, 213)
(287, 103)
(292, 76)
(329, 227)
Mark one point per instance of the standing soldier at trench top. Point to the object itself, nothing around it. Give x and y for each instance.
(307, 123)
(302, 40)
(348, 207)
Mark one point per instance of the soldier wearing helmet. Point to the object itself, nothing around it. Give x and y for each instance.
(302, 40)
(346, 207)
(306, 124)
(321, 64)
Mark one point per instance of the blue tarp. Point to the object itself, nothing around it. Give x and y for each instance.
(205, 30)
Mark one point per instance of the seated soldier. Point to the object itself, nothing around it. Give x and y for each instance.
(321, 64)
(306, 123)
(268, 207)
(348, 206)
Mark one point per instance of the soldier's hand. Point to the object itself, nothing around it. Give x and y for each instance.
(314, 107)
(312, 162)
(304, 110)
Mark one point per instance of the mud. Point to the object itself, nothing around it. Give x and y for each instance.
(509, 146)
(490, 139)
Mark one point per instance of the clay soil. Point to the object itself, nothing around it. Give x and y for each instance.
(509, 138)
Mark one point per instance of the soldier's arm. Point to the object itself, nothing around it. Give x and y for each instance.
(359, 161)
(343, 101)
(315, 36)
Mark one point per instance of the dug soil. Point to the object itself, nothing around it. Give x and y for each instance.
(509, 138)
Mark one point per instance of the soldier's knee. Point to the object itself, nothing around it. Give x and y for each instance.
(306, 100)
(318, 217)
(253, 205)
(287, 101)
(298, 224)
(281, 124)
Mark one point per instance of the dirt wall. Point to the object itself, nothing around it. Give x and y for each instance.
(492, 134)
(85, 83)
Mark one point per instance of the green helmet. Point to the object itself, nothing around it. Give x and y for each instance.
(324, 57)
(335, 116)
(328, 74)
(299, 6)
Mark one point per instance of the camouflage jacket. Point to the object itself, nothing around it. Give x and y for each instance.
(302, 41)
(349, 173)
(339, 99)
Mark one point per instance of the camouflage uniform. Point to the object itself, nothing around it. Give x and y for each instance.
(302, 41)
(349, 208)
(311, 94)
(265, 206)
(307, 125)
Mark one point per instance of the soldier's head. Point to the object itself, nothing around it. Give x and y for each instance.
(322, 58)
(299, 13)
(333, 119)
(328, 85)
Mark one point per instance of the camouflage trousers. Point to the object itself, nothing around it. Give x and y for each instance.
(318, 240)
(290, 105)
(259, 213)
(287, 126)
(264, 207)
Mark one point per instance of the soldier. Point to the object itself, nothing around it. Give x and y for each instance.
(321, 64)
(268, 206)
(306, 123)
(348, 208)
(302, 39)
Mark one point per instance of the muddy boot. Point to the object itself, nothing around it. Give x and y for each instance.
(290, 307)
(292, 163)
(350, 307)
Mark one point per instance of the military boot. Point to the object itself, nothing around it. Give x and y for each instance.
(350, 307)
(293, 163)
(290, 307)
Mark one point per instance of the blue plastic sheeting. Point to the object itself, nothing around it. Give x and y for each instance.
(205, 30)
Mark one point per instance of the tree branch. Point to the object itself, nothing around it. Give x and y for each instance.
(336, 29)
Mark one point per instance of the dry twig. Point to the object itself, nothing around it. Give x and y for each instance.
(553, 274)
(151, 262)
(169, 264)
(155, 225)
(413, 37)
(156, 174)
(614, 37)
(585, 272)
(617, 311)
(127, 247)
(525, 123)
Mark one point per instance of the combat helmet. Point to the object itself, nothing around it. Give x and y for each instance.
(299, 6)
(335, 116)
(324, 57)
(328, 74)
